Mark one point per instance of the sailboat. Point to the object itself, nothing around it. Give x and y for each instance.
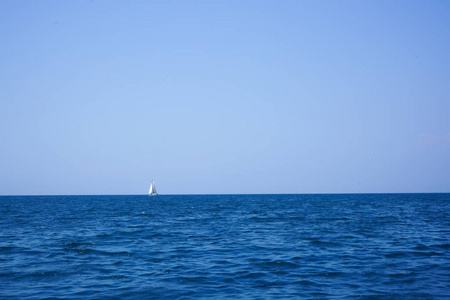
(152, 191)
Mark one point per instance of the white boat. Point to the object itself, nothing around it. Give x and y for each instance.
(152, 191)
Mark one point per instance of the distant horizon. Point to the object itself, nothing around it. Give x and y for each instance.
(382, 193)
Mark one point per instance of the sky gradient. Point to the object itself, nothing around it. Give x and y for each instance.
(99, 97)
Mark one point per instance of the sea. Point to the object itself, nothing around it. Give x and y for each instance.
(343, 246)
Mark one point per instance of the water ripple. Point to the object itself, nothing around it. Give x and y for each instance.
(233, 246)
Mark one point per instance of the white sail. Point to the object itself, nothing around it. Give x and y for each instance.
(152, 191)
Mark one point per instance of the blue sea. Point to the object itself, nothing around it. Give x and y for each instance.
(355, 246)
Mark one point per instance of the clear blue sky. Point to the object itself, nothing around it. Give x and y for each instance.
(99, 97)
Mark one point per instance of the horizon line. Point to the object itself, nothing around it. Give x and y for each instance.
(219, 194)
